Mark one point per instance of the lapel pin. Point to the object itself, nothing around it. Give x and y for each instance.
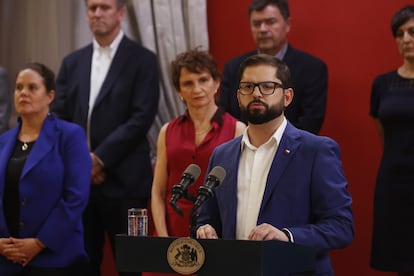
(286, 152)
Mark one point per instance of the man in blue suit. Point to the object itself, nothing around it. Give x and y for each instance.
(110, 87)
(281, 183)
(270, 25)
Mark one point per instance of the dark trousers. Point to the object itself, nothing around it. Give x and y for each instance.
(105, 215)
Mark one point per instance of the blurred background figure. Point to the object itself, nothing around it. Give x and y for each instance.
(392, 102)
(46, 169)
(270, 25)
(110, 88)
(189, 139)
(5, 101)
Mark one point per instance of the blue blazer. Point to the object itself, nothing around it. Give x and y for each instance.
(54, 190)
(309, 80)
(306, 192)
(121, 117)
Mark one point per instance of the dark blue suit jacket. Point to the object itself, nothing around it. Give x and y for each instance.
(309, 80)
(306, 192)
(54, 190)
(123, 113)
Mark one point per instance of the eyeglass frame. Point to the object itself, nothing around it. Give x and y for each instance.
(277, 85)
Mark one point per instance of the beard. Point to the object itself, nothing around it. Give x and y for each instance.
(258, 116)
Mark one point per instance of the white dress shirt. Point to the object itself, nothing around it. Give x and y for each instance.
(101, 62)
(254, 168)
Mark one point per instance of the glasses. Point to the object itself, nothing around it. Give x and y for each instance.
(265, 87)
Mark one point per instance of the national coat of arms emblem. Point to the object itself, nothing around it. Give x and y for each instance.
(185, 255)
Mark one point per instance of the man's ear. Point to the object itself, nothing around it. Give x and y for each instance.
(288, 95)
(238, 97)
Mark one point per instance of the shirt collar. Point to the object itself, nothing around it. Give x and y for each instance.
(281, 54)
(112, 47)
(276, 136)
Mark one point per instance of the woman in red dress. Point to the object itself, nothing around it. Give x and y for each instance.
(189, 139)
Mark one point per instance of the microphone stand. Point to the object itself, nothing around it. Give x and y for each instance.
(193, 214)
(190, 197)
(182, 194)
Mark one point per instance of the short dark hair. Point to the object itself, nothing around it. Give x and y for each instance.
(282, 5)
(282, 70)
(119, 3)
(195, 61)
(46, 73)
(400, 17)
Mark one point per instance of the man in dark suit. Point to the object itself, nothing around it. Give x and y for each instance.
(110, 87)
(5, 102)
(281, 183)
(270, 24)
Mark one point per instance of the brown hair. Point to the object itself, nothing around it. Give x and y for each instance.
(195, 61)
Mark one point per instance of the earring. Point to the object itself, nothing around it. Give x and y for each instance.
(182, 99)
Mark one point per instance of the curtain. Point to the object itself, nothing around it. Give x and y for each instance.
(168, 27)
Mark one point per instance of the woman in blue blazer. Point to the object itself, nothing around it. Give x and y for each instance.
(45, 172)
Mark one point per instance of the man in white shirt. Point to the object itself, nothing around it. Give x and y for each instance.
(282, 183)
(111, 88)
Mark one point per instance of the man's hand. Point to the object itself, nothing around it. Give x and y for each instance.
(206, 232)
(98, 173)
(266, 231)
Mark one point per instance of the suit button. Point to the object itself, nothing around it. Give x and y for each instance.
(24, 201)
(21, 224)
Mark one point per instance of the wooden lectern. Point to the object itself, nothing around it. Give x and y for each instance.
(222, 257)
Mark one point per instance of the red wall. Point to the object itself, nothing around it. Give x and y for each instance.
(354, 39)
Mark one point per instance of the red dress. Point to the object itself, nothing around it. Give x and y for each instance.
(181, 152)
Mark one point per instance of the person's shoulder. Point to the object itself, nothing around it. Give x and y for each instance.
(240, 58)
(65, 126)
(138, 48)
(78, 54)
(80, 50)
(5, 135)
(176, 124)
(308, 138)
(227, 116)
(387, 76)
(383, 81)
(229, 119)
(229, 146)
(302, 56)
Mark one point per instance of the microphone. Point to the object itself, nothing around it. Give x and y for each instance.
(190, 175)
(214, 178)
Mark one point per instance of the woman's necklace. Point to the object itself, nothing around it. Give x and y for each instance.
(25, 146)
(28, 140)
(200, 132)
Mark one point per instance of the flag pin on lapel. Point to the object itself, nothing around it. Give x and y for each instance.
(286, 152)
